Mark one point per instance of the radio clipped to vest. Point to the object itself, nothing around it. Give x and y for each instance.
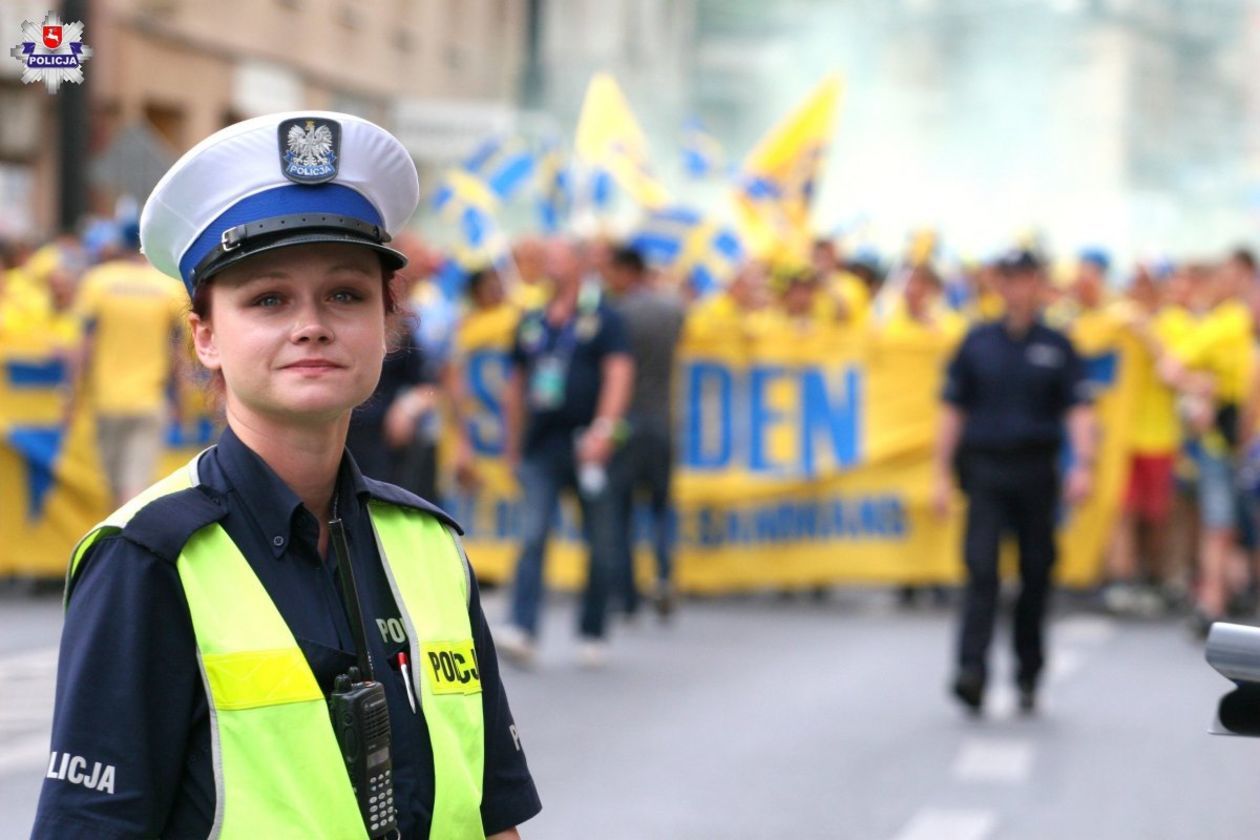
(360, 713)
(361, 720)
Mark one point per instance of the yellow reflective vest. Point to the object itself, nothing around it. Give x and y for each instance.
(278, 769)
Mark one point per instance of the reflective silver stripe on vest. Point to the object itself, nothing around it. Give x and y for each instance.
(463, 556)
(216, 749)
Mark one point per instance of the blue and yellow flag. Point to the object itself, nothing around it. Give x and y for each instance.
(610, 143)
(703, 155)
(717, 261)
(698, 250)
(665, 235)
(470, 207)
(468, 203)
(503, 165)
(776, 185)
(554, 200)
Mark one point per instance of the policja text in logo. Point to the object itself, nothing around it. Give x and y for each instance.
(52, 53)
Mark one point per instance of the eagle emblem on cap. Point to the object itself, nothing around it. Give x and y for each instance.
(309, 149)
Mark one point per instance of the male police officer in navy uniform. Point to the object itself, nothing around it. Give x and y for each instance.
(1008, 392)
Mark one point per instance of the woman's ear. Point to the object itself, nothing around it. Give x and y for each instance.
(202, 330)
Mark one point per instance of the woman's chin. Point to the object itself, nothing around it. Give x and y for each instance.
(308, 408)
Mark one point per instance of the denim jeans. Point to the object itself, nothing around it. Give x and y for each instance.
(543, 475)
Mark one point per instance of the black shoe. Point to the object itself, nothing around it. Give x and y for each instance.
(664, 602)
(1027, 690)
(1201, 624)
(969, 689)
(907, 596)
(1243, 604)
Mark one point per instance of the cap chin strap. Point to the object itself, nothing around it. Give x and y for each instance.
(235, 237)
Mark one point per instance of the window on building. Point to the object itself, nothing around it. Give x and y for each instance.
(168, 121)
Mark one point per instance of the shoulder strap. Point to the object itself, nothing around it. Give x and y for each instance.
(384, 492)
(164, 525)
(154, 534)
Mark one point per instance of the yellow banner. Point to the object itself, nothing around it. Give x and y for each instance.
(52, 488)
(802, 460)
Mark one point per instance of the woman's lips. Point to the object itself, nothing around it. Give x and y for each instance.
(312, 364)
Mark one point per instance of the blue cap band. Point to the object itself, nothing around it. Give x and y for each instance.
(334, 199)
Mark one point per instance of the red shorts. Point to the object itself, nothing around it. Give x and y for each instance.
(1149, 496)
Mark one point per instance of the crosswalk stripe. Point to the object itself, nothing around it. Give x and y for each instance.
(999, 760)
(25, 754)
(949, 824)
(1084, 629)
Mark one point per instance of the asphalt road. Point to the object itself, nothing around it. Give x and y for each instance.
(762, 718)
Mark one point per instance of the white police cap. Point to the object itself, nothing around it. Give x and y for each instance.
(276, 181)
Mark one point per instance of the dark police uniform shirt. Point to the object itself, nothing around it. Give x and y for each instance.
(130, 696)
(1014, 390)
(580, 346)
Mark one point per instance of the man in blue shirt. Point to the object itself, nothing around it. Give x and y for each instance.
(132, 741)
(567, 395)
(1008, 391)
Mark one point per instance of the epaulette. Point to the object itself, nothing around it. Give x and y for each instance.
(164, 525)
(381, 491)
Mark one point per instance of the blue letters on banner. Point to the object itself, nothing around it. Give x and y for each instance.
(830, 418)
(486, 374)
(709, 389)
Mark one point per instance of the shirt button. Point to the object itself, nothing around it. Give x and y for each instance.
(277, 541)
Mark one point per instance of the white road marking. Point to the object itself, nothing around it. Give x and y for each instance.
(1000, 760)
(1064, 662)
(39, 662)
(1084, 630)
(24, 755)
(999, 701)
(949, 824)
(27, 684)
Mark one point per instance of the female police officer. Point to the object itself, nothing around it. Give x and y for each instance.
(209, 620)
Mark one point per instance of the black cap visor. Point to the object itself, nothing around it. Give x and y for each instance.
(246, 241)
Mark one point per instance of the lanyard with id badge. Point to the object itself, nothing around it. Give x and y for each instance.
(551, 371)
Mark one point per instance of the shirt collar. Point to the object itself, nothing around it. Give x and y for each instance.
(272, 503)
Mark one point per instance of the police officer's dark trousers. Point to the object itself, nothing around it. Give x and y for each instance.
(1008, 492)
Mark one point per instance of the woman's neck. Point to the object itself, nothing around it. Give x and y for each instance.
(306, 458)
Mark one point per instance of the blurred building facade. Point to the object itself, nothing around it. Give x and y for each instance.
(644, 44)
(166, 73)
(1130, 122)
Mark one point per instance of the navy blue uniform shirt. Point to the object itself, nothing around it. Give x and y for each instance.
(581, 345)
(130, 696)
(1015, 390)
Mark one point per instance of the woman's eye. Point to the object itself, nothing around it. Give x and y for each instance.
(346, 296)
(268, 300)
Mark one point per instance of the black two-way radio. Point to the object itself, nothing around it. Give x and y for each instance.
(360, 714)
